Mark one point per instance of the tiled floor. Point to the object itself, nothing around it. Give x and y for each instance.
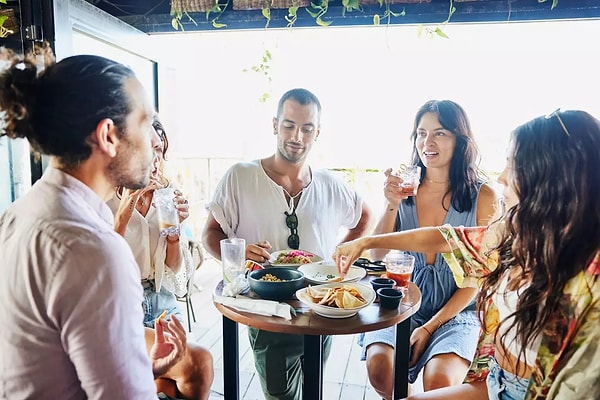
(344, 377)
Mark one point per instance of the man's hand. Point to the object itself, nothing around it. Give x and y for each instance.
(170, 345)
(258, 252)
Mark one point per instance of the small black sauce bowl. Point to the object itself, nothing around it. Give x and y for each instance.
(379, 283)
(389, 297)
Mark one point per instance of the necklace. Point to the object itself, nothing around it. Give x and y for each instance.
(438, 182)
(292, 198)
(142, 201)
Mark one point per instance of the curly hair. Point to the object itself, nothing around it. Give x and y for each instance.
(553, 233)
(464, 171)
(59, 109)
(162, 134)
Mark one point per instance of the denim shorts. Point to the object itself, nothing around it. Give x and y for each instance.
(503, 385)
(156, 302)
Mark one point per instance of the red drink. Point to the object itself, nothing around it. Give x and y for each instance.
(408, 190)
(401, 278)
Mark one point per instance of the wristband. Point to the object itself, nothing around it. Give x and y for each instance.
(426, 330)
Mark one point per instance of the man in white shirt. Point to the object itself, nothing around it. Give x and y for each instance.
(277, 203)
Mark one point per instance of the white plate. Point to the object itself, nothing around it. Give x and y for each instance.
(275, 254)
(319, 273)
(334, 312)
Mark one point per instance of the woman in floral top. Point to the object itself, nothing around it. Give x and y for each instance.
(538, 267)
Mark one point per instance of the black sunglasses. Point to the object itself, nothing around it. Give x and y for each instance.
(291, 220)
(370, 265)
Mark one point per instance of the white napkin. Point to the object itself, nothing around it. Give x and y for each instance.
(235, 287)
(256, 306)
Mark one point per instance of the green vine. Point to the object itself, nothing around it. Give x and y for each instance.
(264, 69)
(178, 10)
(438, 31)
(554, 3)
(4, 32)
(387, 14)
(318, 10)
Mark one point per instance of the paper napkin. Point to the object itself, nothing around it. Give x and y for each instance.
(237, 286)
(257, 306)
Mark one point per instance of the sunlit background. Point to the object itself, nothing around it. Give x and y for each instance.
(371, 81)
(219, 91)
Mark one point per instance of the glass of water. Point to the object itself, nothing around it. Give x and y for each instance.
(168, 218)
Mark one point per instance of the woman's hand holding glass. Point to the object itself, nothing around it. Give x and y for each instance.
(182, 205)
(392, 189)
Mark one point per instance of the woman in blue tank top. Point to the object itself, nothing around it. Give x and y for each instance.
(452, 190)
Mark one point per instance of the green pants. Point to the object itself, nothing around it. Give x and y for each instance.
(278, 361)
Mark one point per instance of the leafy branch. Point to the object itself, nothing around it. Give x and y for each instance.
(387, 14)
(264, 68)
(320, 9)
(438, 31)
(4, 32)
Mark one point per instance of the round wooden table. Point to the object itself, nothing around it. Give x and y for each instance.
(314, 327)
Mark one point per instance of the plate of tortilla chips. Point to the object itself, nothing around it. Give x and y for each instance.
(336, 300)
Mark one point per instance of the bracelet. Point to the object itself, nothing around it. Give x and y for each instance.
(426, 330)
(439, 322)
(172, 241)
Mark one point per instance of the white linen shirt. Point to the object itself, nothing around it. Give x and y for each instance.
(148, 247)
(70, 299)
(248, 204)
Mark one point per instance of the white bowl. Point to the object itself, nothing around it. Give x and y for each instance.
(334, 312)
(275, 254)
(319, 273)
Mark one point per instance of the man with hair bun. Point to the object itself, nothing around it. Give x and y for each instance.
(70, 293)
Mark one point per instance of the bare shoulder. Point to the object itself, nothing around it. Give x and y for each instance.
(487, 193)
(487, 204)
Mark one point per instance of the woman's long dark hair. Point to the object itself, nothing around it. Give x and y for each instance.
(464, 171)
(554, 231)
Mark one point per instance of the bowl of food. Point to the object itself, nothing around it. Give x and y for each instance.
(327, 272)
(292, 258)
(276, 283)
(336, 300)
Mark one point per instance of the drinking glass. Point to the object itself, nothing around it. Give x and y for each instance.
(168, 218)
(399, 267)
(411, 177)
(233, 258)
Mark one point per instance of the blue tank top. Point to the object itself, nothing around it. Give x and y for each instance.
(435, 281)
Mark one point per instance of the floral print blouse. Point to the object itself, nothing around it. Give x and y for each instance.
(568, 361)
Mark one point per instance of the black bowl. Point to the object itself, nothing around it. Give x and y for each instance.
(389, 297)
(292, 280)
(379, 283)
